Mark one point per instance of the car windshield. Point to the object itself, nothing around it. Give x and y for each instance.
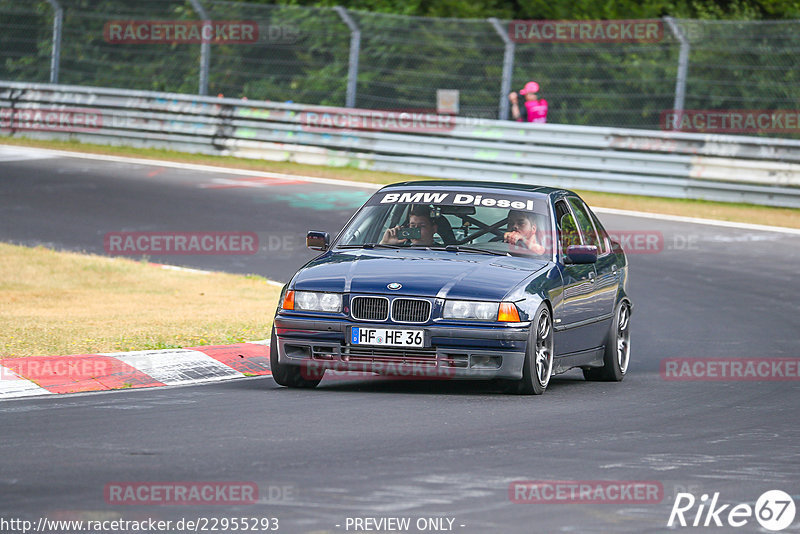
(491, 223)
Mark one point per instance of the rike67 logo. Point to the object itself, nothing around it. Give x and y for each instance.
(774, 510)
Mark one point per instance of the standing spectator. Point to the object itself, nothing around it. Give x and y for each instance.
(535, 108)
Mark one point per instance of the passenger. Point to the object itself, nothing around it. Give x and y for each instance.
(420, 218)
(522, 231)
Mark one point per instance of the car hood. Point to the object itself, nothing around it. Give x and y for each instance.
(429, 273)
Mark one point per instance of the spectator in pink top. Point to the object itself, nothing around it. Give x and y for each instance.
(535, 108)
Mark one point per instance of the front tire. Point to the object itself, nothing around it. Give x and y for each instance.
(291, 376)
(618, 348)
(538, 366)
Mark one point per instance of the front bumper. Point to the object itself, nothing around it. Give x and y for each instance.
(457, 352)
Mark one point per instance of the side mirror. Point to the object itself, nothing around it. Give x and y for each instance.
(581, 254)
(318, 240)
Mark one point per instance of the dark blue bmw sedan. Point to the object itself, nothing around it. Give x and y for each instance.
(464, 280)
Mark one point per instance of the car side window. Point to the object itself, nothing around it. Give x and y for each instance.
(567, 229)
(585, 223)
(601, 232)
(397, 216)
(368, 230)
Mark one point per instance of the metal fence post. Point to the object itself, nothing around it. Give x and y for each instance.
(205, 50)
(683, 69)
(355, 50)
(508, 67)
(55, 56)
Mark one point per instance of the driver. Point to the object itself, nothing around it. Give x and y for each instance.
(420, 217)
(522, 231)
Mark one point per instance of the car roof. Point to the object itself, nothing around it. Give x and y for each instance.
(471, 184)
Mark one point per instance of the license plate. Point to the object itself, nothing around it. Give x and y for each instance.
(387, 337)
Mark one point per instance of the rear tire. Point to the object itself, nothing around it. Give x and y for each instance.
(618, 348)
(291, 376)
(538, 366)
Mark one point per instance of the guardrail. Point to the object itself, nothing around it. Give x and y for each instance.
(713, 167)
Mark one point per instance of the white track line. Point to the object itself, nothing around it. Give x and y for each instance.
(21, 153)
(201, 271)
(12, 385)
(181, 269)
(696, 220)
(346, 183)
(202, 168)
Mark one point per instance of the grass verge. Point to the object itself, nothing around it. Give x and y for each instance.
(59, 303)
(724, 211)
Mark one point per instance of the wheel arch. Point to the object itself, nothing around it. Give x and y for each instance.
(622, 296)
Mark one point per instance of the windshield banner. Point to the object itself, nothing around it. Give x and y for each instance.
(511, 202)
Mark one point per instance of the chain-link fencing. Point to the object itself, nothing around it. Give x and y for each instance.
(590, 73)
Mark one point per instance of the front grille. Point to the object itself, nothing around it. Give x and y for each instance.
(370, 308)
(417, 356)
(411, 310)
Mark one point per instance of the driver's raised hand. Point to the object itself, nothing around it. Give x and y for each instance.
(390, 237)
(515, 238)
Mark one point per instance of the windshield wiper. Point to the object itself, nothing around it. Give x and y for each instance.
(462, 248)
(371, 245)
(449, 248)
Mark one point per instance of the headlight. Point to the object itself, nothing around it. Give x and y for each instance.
(467, 309)
(486, 311)
(504, 312)
(314, 301)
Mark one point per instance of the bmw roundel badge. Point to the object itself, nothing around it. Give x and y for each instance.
(395, 285)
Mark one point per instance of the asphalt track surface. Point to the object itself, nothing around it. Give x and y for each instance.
(380, 449)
